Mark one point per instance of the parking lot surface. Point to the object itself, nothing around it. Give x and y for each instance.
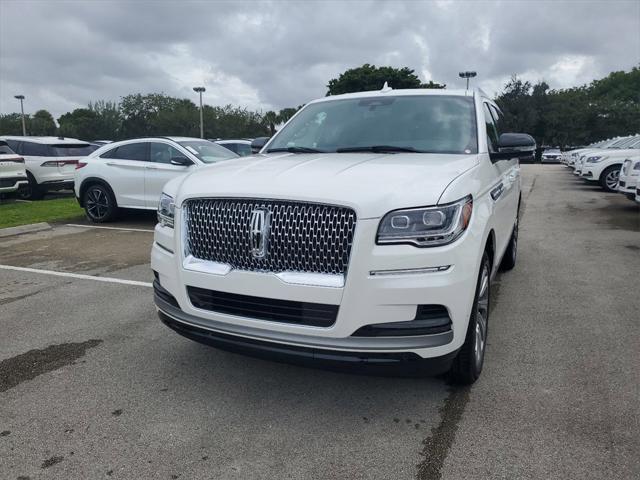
(92, 385)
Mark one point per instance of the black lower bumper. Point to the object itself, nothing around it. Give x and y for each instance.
(373, 363)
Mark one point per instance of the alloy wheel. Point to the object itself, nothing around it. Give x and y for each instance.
(482, 317)
(611, 180)
(97, 203)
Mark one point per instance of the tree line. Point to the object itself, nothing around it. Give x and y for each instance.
(566, 117)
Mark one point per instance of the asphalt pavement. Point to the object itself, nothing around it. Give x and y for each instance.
(92, 385)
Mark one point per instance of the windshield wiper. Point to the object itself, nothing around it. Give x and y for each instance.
(378, 149)
(296, 150)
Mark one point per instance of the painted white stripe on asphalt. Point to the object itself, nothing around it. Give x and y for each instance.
(79, 276)
(110, 228)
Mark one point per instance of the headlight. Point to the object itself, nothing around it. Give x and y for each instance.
(635, 171)
(166, 209)
(426, 227)
(595, 159)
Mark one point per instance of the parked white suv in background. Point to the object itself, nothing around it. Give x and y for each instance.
(131, 173)
(50, 162)
(12, 172)
(364, 234)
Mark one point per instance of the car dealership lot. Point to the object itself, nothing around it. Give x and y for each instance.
(92, 385)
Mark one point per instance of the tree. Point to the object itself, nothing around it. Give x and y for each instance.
(271, 120)
(42, 124)
(82, 123)
(109, 120)
(11, 124)
(369, 77)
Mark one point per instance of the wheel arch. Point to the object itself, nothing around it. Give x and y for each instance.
(490, 248)
(87, 182)
(619, 165)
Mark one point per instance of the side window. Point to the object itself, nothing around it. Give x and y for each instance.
(133, 151)
(163, 153)
(35, 149)
(498, 117)
(244, 150)
(110, 153)
(14, 145)
(492, 132)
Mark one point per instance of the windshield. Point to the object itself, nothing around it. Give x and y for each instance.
(208, 152)
(433, 124)
(70, 150)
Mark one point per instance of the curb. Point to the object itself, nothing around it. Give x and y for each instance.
(34, 227)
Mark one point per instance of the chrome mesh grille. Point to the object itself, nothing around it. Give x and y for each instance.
(304, 237)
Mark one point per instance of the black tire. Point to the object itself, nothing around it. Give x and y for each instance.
(511, 254)
(31, 191)
(99, 203)
(609, 178)
(467, 365)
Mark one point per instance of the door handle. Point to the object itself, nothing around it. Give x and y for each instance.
(496, 192)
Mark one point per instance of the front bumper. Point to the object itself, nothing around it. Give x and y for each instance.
(627, 185)
(373, 362)
(367, 297)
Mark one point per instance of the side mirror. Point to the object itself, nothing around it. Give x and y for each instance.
(181, 161)
(258, 143)
(514, 145)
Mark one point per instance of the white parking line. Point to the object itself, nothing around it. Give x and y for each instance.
(110, 228)
(79, 276)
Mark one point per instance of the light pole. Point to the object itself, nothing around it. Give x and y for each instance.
(24, 128)
(200, 90)
(467, 75)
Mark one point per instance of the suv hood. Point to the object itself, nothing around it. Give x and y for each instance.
(370, 183)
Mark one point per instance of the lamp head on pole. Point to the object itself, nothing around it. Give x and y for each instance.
(199, 89)
(19, 97)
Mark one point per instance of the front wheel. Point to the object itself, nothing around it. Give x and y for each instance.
(99, 204)
(467, 365)
(609, 178)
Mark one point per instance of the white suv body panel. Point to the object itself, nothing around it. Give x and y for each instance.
(372, 185)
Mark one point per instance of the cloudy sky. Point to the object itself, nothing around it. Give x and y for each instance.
(265, 55)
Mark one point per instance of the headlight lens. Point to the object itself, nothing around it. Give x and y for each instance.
(595, 159)
(166, 209)
(426, 227)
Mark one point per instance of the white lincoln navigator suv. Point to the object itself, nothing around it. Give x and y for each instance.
(364, 234)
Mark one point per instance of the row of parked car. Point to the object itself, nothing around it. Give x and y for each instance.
(613, 163)
(31, 166)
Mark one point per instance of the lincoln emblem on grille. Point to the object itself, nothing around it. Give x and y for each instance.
(259, 232)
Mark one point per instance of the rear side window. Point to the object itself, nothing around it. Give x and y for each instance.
(35, 149)
(71, 150)
(229, 146)
(4, 148)
(243, 149)
(13, 144)
(132, 151)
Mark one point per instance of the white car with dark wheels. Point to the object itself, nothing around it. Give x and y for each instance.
(629, 179)
(364, 235)
(13, 175)
(50, 162)
(604, 165)
(130, 174)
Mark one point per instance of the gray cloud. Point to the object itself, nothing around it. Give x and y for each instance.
(62, 55)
